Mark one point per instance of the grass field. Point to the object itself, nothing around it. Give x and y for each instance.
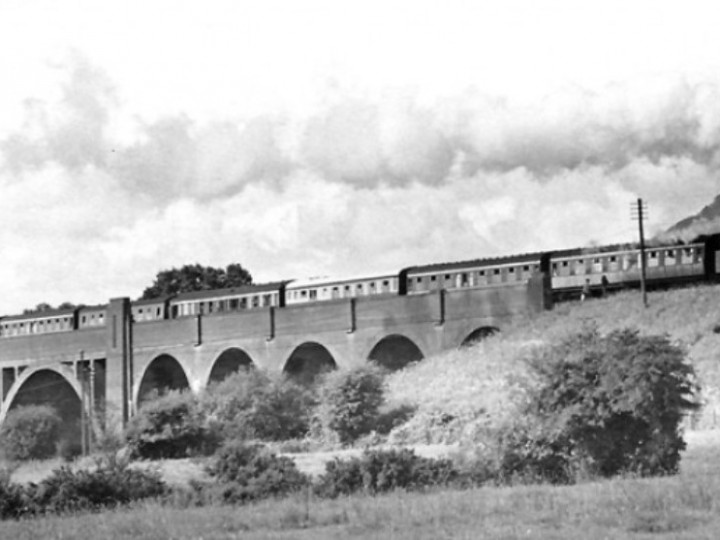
(686, 506)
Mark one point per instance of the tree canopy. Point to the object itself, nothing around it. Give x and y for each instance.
(44, 306)
(604, 405)
(195, 277)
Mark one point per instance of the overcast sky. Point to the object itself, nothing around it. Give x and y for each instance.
(306, 138)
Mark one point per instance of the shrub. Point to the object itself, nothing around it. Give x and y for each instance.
(30, 432)
(110, 484)
(14, 502)
(604, 405)
(251, 405)
(351, 400)
(249, 472)
(385, 470)
(529, 454)
(172, 426)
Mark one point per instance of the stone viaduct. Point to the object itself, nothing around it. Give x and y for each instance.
(113, 368)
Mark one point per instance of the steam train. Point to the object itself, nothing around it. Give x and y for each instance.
(603, 268)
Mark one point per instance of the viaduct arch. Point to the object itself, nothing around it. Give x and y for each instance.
(161, 375)
(479, 334)
(308, 361)
(55, 386)
(230, 361)
(395, 352)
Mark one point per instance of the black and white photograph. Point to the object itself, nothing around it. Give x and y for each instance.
(394, 269)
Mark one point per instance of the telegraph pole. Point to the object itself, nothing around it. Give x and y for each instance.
(638, 211)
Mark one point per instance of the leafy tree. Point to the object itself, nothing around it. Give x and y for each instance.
(604, 405)
(251, 405)
(30, 432)
(195, 277)
(172, 426)
(351, 400)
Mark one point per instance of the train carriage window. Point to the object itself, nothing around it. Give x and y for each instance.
(433, 278)
(654, 260)
(419, 279)
(255, 301)
(313, 294)
(496, 271)
(565, 263)
(266, 300)
(234, 303)
(481, 273)
(511, 270)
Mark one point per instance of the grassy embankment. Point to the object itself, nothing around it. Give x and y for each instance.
(462, 393)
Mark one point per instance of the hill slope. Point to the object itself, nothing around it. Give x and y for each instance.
(462, 393)
(706, 221)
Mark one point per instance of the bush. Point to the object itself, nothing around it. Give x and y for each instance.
(249, 472)
(14, 501)
(351, 400)
(172, 426)
(251, 405)
(385, 470)
(604, 405)
(30, 432)
(110, 484)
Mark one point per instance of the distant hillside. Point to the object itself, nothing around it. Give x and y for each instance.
(704, 222)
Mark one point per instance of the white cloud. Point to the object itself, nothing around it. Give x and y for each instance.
(314, 138)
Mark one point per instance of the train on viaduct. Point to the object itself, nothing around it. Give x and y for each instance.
(113, 365)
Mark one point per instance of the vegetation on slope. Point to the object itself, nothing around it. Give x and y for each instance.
(462, 396)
